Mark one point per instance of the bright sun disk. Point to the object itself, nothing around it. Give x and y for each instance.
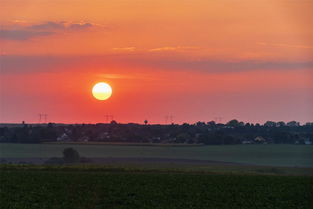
(102, 91)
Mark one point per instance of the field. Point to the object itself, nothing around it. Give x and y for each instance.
(159, 177)
(85, 189)
(262, 155)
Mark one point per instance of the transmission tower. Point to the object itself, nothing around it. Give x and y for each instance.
(108, 118)
(218, 119)
(43, 118)
(169, 119)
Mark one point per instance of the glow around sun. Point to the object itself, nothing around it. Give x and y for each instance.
(102, 91)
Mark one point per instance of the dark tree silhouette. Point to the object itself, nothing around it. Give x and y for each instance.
(70, 155)
(233, 123)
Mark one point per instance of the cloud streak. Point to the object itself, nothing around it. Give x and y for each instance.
(60, 26)
(173, 48)
(286, 45)
(48, 26)
(78, 26)
(35, 64)
(125, 49)
(23, 33)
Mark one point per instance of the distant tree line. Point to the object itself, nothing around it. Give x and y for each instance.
(210, 133)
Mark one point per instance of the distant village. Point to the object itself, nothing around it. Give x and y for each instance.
(207, 133)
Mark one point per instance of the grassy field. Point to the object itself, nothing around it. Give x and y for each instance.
(23, 188)
(268, 155)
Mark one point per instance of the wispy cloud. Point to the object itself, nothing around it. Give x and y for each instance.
(19, 21)
(125, 49)
(48, 26)
(60, 26)
(286, 45)
(122, 76)
(22, 33)
(80, 26)
(173, 48)
(35, 64)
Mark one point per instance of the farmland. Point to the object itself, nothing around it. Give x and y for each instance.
(84, 188)
(264, 155)
(169, 177)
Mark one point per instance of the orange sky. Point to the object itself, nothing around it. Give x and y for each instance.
(196, 60)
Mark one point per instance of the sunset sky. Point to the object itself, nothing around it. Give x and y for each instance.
(194, 59)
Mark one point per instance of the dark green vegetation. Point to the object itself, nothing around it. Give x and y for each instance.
(211, 133)
(100, 188)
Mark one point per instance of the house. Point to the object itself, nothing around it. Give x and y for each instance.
(84, 139)
(260, 140)
(103, 136)
(63, 137)
(247, 142)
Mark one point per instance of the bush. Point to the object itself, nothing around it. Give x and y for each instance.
(70, 155)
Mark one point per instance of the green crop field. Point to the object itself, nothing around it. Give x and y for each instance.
(24, 188)
(268, 155)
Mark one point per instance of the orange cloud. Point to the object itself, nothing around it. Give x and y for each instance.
(125, 49)
(171, 48)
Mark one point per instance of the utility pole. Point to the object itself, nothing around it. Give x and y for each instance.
(45, 116)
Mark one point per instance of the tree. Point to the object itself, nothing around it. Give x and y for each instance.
(233, 123)
(281, 124)
(113, 122)
(200, 124)
(270, 124)
(70, 155)
(211, 123)
(293, 124)
(183, 137)
(247, 125)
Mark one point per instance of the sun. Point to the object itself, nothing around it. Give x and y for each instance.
(102, 91)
